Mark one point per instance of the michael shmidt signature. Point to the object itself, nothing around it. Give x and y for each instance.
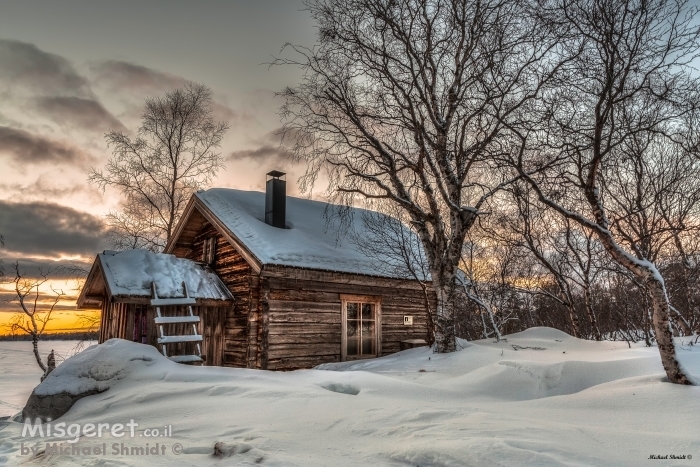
(670, 456)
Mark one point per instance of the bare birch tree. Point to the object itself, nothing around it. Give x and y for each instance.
(490, 269)
(655, 207)
(172, 156)
(539, 236)
(398, 252)
(628, 82)
(33, 317)
(570, 256)
(406, 100)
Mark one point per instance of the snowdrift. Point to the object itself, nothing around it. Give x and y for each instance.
(99, 366)
(541, 398)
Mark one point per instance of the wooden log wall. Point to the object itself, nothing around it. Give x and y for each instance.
(104, 320)
(120, 320)
(235, 273)
(211, 327)
(253, 328)
(114, 321)
(305, 316)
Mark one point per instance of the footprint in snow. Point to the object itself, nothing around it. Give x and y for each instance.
(342, 388)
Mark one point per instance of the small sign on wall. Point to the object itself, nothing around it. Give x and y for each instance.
(408, 320)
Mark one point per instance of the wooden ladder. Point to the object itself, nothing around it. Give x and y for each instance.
(160, 320)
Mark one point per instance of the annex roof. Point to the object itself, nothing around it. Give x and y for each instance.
(130, 274)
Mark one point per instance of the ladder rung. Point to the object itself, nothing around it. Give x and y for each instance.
(160, 320)
(186, 358)
(177, 319)
(172, 301)
(176, 339)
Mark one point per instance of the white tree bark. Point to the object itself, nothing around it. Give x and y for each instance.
(445, 338)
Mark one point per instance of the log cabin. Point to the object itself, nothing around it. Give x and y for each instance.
(152, 298)
(296, 293)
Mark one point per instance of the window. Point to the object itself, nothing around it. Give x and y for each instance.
(361, 327)
(209, 250)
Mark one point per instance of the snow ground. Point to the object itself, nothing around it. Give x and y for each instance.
(555, 401)
(19, 373)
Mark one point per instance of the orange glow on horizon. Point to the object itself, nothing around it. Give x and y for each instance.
(60, 321)
(65, 317)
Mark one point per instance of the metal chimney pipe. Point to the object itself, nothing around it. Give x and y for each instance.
(276, 199)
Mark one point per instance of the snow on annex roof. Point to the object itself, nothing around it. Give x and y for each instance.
(131, 273)
(307, 242)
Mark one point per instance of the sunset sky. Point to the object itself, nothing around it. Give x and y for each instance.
(72, 70)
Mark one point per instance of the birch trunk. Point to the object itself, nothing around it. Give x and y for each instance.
(662, 329)
(35, 347)
(649, 275)
(591, 314)
(682, 323)
(567, 298)
(444, 316)
(575, 324)
(493, 324)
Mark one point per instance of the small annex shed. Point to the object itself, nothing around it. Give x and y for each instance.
(161, 300)
(302, 294)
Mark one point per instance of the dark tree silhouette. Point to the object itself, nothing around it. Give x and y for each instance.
(172, 156)
(407, 101)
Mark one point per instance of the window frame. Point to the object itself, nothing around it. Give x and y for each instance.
(209, 250)
(377, 302)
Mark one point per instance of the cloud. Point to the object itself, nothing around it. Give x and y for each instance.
(82, 113)
(48, 230)
(142, 81)
(26, 148)
(26, 65)
(224, 113)
(34, 267)
(125, 75)
(265, 153)
(269, 151)
(46, 186)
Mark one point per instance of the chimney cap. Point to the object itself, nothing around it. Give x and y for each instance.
(275, 174)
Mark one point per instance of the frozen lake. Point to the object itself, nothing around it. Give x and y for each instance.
(19, 372)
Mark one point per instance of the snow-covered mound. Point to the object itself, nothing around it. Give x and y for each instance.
(543, 333)
(541, 398)
(98, 367)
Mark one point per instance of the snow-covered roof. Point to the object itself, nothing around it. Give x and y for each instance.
(131, 273)
(309, 241)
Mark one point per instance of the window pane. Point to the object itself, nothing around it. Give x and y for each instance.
(367, 311)
(352, 310)
(353, 347)
(361, 329)
(368, 329)
(368, 346)
(353, 328)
